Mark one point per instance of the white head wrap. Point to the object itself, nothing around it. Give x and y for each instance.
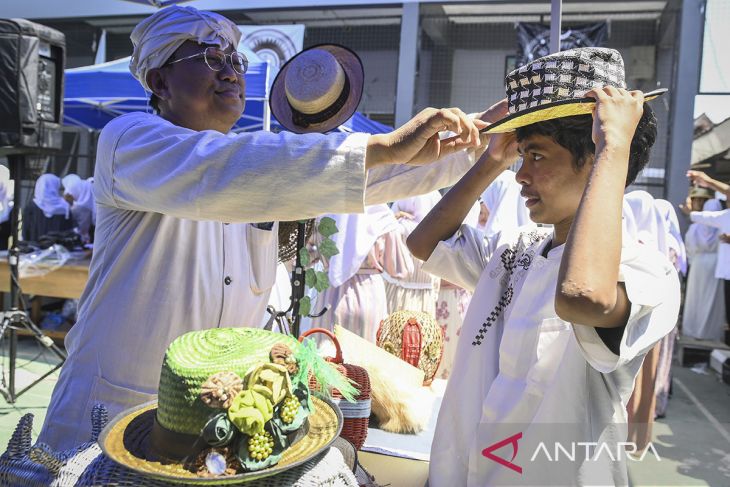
(674, 237)
(6, 199)
(158, 36)
(48, 196)
(507, 210)
(82, 192)
(645, 224)
(68, 180)
(703, 238)
(418, 206)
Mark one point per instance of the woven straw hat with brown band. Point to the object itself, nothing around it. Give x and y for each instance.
(317, 90)
(554, 86)
(164, 440)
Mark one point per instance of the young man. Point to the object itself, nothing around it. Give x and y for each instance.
(560, 319)
(173, 252)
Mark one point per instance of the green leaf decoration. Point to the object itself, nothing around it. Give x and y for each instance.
(327, 227)
(305, 306)
(328, 248)
(310, 277)
(304, 256)
(328, 377)
(323, 281)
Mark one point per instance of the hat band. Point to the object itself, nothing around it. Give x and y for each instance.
(170, 445)
(307, 119)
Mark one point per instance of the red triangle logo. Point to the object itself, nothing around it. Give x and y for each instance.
(487, 452)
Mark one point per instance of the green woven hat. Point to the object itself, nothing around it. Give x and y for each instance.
(233, 405)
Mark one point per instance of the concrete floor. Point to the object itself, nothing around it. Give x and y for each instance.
(693, 441)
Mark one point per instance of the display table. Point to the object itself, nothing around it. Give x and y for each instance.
(67, 281)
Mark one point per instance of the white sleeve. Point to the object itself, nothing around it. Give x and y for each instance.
(145, 163)
(462, 258)
(397, 181)
(652, 286)
(716, 219)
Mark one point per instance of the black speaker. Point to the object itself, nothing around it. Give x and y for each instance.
(32, 59)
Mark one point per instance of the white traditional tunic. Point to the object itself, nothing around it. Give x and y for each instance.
(703, 316)
(165, 263)
(721, 221)
(525, 376)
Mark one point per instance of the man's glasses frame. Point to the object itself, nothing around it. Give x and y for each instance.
(216, 60)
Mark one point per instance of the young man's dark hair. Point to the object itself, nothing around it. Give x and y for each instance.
(574, 133)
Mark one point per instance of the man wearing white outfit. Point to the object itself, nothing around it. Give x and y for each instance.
(175, 250)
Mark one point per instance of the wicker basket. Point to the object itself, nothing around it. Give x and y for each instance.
(415, 337)
(356, 415)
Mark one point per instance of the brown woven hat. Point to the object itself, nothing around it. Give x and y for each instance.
(554, 86)
(699, 192)
(318, 89)
(193, 426)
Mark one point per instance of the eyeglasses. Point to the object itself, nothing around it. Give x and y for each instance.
(216, 60)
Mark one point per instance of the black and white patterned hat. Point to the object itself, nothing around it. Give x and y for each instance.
(554, 86)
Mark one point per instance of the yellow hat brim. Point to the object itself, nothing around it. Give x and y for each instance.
(324, 426)
(551, 111)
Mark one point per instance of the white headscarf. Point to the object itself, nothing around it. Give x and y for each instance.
(644, 222)
(48, 196)
(5, 197)
(674, 240)
(68, 180)
(158, 36)
(82, 192)
(418, 206)
(355, 238)
(703, 238)
(506, 207)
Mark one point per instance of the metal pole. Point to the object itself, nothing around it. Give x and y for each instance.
(556, 17)
(686, 85)
(407, 61)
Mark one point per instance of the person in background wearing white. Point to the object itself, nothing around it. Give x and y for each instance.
(678, 256)
(416, 290)
(506, 207)
(370, 245)
(716, 219)
(48, 212)
(6, 206)
(704, 302)
(79, 193)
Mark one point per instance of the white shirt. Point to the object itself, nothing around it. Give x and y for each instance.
(520, 369)
(721, 220)
(164, 261)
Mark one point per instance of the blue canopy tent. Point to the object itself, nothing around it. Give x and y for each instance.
(96, 94)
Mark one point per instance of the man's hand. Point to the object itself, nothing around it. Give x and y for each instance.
(686, 208)
(403, 215)
(698, 178)
(725, 238)
(615, 116)
(418, 142)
